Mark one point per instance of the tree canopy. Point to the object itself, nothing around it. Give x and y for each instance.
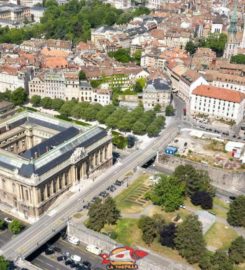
(237, 250)
(71, 21)
(236, 214)
(189, 240)
(4, 264)
(101, 213)
(238, 59)
(195, 180)
(169, 193)
(15, 226)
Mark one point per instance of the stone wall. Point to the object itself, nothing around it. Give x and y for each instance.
(227, 180)
(151, 262)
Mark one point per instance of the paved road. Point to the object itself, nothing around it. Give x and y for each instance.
(49, 224)
(49, 262)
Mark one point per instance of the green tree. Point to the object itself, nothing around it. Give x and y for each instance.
(35, 100)
(46, 103)
(220, 261)
(137, 57)
(148, 228)
(190, 47)
(121, 55)
(236, 214)
(66, 108)
(139, 128)
(205, 261)
(4, 264)
(82, 75)
(169, 193)
(157, 108)
(189, 240)
(169, 111)
(112, 214)
(119, 141)
(104, 113)
(57, 104)
(137, 87)
(237, 250)
(2, 224)
(195, 180)
(96, 219)
(102, 213)
(19, 96)
(238, 59)
(15, 226)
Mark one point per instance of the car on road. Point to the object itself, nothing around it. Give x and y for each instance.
(57, 249)
(49, 251)
(68, 261)
(8, 220)
(93, 249)
(61, 258)
(118, 183)
(73, 240)
(76, 258)
(111, 188)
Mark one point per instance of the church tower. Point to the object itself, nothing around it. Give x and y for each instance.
(232, 44)
(243, 36)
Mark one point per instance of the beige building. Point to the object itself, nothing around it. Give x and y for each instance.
(158, 91)
(15, 13)
(41, 157)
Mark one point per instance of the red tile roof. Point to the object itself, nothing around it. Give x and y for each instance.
(219, 93)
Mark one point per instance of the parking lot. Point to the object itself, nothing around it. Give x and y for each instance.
(48, 262)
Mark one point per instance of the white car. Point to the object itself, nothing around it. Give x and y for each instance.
(93, 249)
(8, 220)
(73, 240)
(76, 258)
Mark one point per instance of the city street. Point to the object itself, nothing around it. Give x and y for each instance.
(49, 262)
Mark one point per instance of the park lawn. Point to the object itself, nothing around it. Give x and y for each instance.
(123, 201)
(221, 203)
(168, 216)
(220, 236)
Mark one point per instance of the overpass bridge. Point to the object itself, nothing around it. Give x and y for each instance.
(52, 222)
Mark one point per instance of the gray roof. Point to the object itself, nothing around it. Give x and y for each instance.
(48, 144)
(158, 85)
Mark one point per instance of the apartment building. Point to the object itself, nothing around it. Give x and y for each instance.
(218, 103)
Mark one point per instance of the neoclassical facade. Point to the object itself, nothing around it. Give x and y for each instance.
(41, 157)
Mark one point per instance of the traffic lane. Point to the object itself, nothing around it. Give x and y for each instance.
(47, 263)
(5, 237)
(80, 251)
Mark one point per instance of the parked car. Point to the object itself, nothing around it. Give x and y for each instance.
(8, 220)
(57, 249)
(73, 240)
(49, 251)
(68, 262)
(61, 258)
(93, 249)
(87, 263)
(76, 258)
(118, 183)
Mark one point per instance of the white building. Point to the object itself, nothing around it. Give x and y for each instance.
(66, 86)
(37, 13)
(218, 103)
(11, 78)
(229, 81)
